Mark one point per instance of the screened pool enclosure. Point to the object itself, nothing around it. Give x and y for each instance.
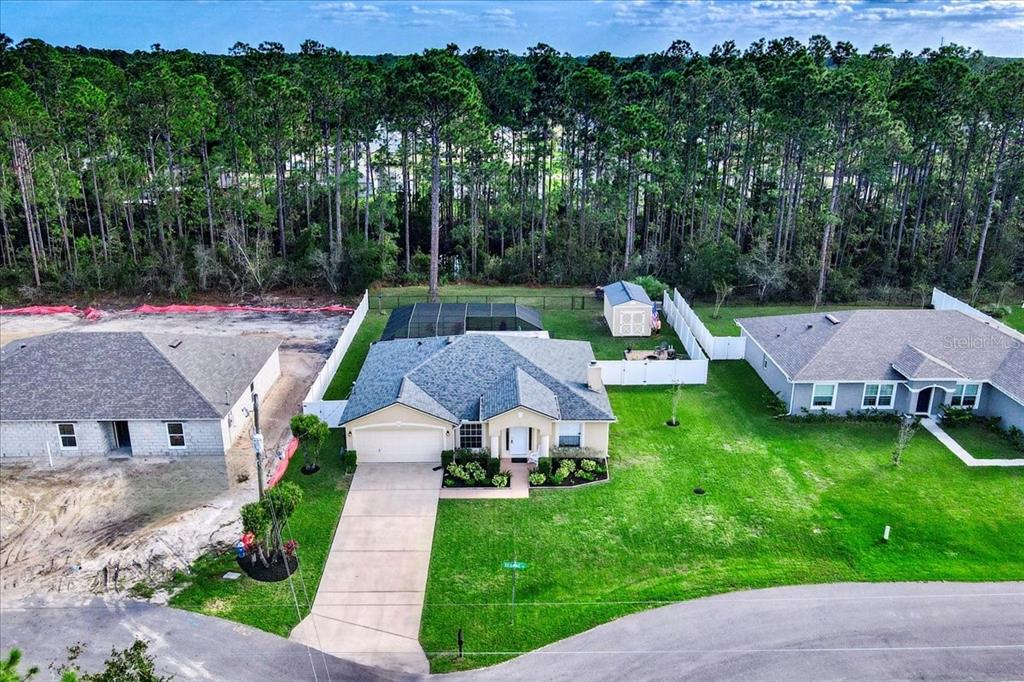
(448, 319)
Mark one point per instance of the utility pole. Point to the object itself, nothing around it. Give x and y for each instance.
(257, 441)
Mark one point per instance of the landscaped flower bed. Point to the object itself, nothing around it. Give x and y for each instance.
(472, 469)
(562, 472)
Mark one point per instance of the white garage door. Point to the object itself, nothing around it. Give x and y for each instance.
(407, 444)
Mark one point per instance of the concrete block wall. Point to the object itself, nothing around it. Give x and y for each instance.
(239, 418)
(149, 438)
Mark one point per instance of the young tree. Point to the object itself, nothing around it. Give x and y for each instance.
(722, 291)
(312, 433)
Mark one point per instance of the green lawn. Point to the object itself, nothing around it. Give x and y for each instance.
(724, 325)
(1016, 318)
(348, 370)
(786, 503)
(589, 325)
(983, 443)
(270, 606)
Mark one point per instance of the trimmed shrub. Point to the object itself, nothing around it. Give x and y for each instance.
(501, 480)
(348, 459)
(537, 478)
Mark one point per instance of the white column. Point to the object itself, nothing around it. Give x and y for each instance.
(495, 441)
(545, 445)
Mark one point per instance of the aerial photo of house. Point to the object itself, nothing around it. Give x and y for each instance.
(517, 396)
(911, 361)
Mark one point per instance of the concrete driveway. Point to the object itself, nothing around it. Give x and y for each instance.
(370, 599)
(853, 631)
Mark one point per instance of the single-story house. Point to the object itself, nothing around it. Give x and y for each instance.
(130, 393)
(518, 396)
(911, 361)
(628, 309)
(421, 320)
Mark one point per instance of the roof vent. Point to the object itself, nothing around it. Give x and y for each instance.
(832, 318)
(810, 326)
(175, 343)
(449, 340)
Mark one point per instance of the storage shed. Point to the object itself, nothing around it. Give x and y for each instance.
(627, 309)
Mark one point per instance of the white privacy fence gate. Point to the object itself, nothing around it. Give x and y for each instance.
(330, 410)
(660, 372)
(717, 347)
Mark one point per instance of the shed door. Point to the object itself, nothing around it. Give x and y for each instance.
(631, 322)
(399, 444)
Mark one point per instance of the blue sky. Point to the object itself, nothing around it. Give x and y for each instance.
(577, 26)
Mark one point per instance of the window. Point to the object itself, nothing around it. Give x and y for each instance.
(570, 434)
(823, 396)
(471, 435)
(879, 396)
(965, 395)
(175, 434)
(68, 438)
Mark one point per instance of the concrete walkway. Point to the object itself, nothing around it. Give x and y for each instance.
(518, 489)
(933, 428)
(370, 600)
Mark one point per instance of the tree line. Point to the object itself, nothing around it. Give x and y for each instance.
(787, 170)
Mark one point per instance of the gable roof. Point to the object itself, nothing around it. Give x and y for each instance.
(473, 378)
(623, 292)
(127, 375)
(890, 345)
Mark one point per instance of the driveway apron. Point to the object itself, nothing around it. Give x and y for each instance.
(370, 600)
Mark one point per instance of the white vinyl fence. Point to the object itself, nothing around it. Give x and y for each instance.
(330, 410)
(943, 301)
(716, 347)
(660, 372)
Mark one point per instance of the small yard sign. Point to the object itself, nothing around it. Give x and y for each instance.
(515, 567)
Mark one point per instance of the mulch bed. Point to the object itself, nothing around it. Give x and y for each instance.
(275, 572)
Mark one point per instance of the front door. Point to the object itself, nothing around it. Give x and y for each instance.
(122, 436)
(518, 441)
(924, 402)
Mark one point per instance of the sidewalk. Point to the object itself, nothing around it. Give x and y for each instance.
(933, 428)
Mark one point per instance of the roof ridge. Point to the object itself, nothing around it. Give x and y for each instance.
(177, 371)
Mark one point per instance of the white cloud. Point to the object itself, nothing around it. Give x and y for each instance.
(349, 12)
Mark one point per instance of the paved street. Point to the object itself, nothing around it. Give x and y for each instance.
(930, 631)
(187, 645)
(370, 599)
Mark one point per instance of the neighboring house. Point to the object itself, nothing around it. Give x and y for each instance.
(517, 396)
(912, 361)
(445, 319)
(628, 309)
(130, 393)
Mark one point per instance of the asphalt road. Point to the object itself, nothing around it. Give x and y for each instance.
(927, 631)
(888, 631)
(186, 645)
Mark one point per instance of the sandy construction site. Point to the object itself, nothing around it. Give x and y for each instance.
(92, 525)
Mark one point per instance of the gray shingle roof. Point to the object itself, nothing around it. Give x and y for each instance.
(622, 291)
(866, 344)
(469, 378)
(127, 375)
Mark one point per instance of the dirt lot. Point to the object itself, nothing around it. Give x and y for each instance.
(96, 526)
